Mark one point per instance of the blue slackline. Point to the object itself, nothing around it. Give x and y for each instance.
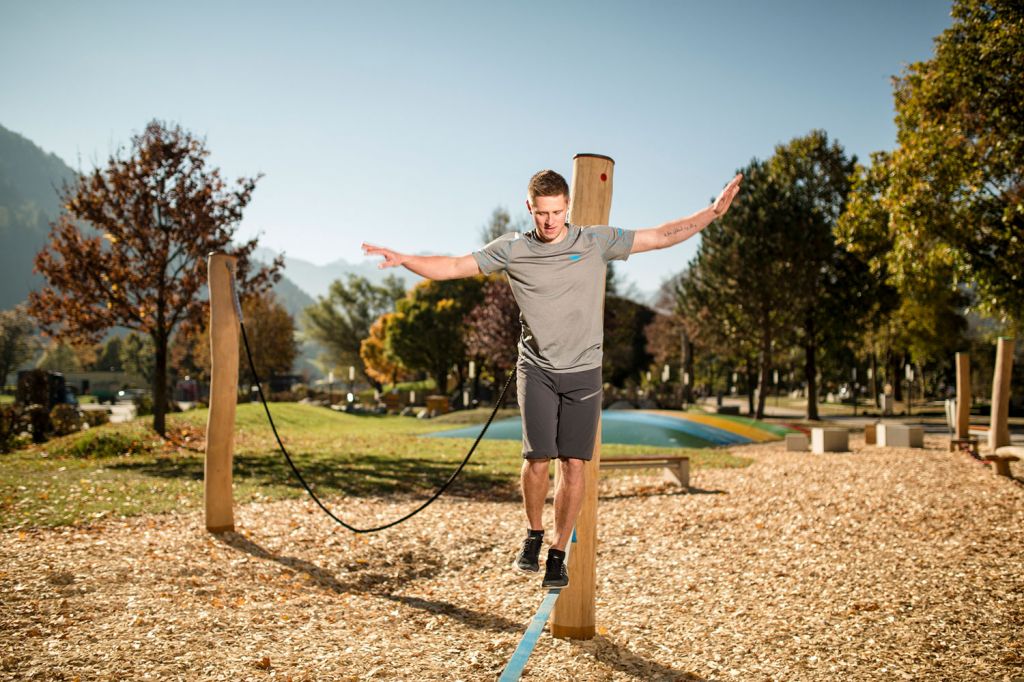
(514, 669)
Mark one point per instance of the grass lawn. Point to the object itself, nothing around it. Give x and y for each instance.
(125, 469)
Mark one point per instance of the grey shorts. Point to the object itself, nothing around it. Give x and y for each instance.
(560, 412)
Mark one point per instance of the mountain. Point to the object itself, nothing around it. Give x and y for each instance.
(30, 184)
(316, 280)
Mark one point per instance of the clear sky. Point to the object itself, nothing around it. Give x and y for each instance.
(407, 123)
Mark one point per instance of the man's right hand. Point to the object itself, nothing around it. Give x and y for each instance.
(431, 267)
(392, 259)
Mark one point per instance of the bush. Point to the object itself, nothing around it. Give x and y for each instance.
(104, 444)
(65, 419)
(143, 405)
(12, 423)
(96, 417)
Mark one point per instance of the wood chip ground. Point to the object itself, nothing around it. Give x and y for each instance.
(872, 565)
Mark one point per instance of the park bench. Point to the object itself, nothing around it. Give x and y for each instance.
(676, 469)
(1002, 458)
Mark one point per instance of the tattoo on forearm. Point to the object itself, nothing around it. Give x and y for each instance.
(690, 227)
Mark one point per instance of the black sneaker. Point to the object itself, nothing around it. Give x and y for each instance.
(555, 574)
(527, 560)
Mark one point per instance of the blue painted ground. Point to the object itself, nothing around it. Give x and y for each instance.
(629, 427)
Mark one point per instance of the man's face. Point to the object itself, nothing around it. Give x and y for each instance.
(549, 217)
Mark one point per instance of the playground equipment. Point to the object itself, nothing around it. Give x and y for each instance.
(220, 425)
(1001, 453)
(590, 203)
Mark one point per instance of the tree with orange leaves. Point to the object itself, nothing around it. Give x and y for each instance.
(130, 249)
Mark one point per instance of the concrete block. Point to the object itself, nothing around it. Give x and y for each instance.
(901, 436)
(796, 442)
(829, 440)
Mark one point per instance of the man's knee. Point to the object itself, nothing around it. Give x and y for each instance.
(535, 467)
(572, 469)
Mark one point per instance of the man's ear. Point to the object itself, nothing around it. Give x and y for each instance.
(529, 208)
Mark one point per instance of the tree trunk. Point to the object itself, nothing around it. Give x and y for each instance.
(811, 365)
(688, 369)
(160, 385)
(765, 362)
(811, 375)
(751, 374)
(874, 380)
(895, 378)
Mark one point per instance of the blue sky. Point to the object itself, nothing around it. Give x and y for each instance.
(407, 123)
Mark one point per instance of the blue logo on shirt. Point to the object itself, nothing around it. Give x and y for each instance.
(574, 256)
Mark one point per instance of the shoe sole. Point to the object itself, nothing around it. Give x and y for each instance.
(550, 586)
(519, 569)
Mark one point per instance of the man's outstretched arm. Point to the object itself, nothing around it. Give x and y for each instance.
(675, 231)
(431, 267)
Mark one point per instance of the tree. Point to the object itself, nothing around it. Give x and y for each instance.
(915, 313)
(341, 320)
(271, 333)
(737, 297)
(108, 359)
(270, 330)
(493, 327)
(499, 224)
(625, 346)
(137, 357)
(428, 330)
(955, 191)
(17, 341)
(153, 217)
(833, 288)
(61, 356)
(381, 366)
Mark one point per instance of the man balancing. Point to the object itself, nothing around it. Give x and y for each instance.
(557, 274)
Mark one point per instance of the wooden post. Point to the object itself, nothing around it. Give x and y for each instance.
(220, 424)
(963, 395)
(590, 203)
(999, 428)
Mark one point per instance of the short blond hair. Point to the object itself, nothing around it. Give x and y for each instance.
(547, 183)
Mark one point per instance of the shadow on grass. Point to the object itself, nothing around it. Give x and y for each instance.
(379, 581)
(371, 475)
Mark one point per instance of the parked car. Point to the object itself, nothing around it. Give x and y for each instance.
(130, 395)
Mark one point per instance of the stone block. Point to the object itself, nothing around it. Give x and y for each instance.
(829, 440)
(796, 442)
(900, 436)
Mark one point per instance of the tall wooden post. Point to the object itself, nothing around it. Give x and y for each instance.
(590, 203)
(220, 424)
(999, 428)
(963, 395)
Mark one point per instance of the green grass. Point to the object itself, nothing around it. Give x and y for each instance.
(126, 470)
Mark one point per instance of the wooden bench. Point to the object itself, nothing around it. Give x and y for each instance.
(1002, 458)
(676, 469)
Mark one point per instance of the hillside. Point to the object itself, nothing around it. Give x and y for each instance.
(30, 184)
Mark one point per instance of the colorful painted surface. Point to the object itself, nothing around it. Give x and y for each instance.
(662, 428)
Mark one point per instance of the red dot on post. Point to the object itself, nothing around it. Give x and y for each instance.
(604, 176)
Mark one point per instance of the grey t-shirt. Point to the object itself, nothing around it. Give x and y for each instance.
(559, 289)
